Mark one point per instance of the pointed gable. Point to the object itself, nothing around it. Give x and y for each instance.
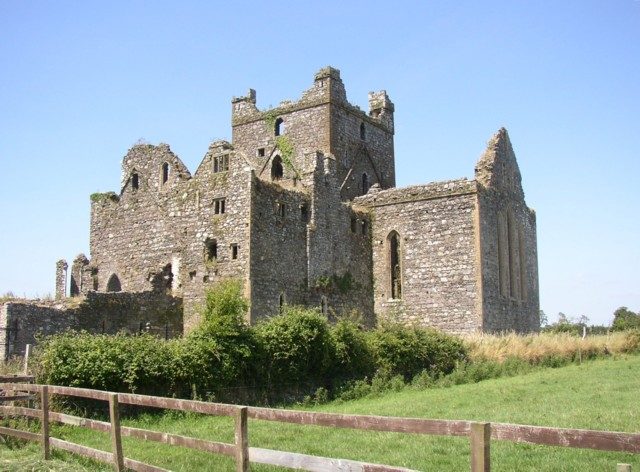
(497, 168)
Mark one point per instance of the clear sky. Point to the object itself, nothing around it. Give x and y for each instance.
(80, 82)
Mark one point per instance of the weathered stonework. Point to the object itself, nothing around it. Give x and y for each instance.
(105, 313)
(302, 207)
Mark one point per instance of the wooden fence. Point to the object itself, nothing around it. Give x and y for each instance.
(479, 434)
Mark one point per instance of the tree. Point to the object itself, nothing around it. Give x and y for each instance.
(624, 319)
(544, 319)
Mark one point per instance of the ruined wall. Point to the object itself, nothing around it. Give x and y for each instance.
(205, 222)
(278, 248)
(321, 120)
(339, 249)
(100, 313)
(160, 235)
(508, 242)
(363, 145)
(438, 269)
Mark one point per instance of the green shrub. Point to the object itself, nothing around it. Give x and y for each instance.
(353, 355)
(297, 347)
(407, 351)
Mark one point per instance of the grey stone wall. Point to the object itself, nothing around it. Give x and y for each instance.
(438, 274)
(100, 313)
(508, 242)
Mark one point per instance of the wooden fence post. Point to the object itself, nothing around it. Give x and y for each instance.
(242, 440)
(623, 468)
(25, 363)
(480, 447)
(116, 438)
(44, 399)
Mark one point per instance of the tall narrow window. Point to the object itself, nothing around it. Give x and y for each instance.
(234, 251)
(113, 285)
(210, 249)
(362, 131)
(277, 171)
(165, 172)
(324, 306)
(279, 127)
(354, 225)
(523, 264)
(280, 209)
(219, 206)
(514, 258)
(281, 302)
(503, 256)
(365, 183)
(135, 182)
(304, 213)
(395, 265)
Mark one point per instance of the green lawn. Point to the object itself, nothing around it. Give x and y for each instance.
(601, 394)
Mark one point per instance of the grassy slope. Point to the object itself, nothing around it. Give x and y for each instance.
(596, 395)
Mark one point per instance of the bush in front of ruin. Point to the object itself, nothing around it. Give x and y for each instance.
(225, 359)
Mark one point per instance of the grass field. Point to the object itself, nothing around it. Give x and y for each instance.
(600, 394)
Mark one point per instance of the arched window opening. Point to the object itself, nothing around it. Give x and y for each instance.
(362, 131)
(281, 302)
(74, 289)
(135, 181)
(304, 213)
(165, 172)
(279, 127)
(94, 279)
(210, 249)
(365, 183)
(324, 305)
(277, 171)
(395, 265)
(113, 285)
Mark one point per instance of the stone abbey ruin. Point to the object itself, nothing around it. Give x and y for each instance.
(302, 207)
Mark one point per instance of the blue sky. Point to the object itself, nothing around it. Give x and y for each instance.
(81, 82)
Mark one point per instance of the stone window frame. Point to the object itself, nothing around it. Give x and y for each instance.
(221, 163)
(279, 127)
(280, 209)
(113, 283)
(366, 185)
(219, 205)
(395, 293)
(210, 249)
(277, 168)
(304, 213)
(354, 225)
(512, 276)
(135, 180)
(363, 131)
(234, 251)
(282, 301)
(165, 172)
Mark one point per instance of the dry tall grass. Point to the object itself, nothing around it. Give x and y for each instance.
(10, 367)
(537, 348)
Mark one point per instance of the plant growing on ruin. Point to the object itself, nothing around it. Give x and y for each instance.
(105, 196)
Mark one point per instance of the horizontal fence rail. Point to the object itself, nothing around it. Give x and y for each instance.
(479, 434)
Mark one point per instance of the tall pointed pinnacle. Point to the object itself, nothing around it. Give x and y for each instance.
(497, 168)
